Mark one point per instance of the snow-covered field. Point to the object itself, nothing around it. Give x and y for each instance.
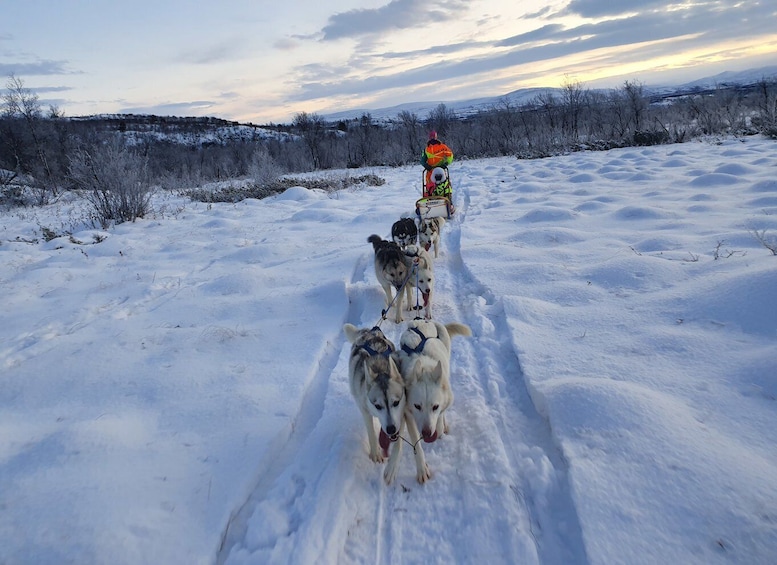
(174, 391)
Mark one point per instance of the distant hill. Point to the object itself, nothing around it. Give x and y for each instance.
(192, 131)
(520, 97)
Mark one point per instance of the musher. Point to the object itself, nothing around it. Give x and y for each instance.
(435, 159)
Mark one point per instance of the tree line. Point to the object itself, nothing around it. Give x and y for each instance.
(42, 152)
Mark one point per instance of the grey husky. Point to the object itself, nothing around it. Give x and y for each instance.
(392, 269)
(378, 389)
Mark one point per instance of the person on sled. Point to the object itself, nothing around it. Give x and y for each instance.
(435, 159)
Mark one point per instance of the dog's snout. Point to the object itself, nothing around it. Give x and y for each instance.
(391, 430)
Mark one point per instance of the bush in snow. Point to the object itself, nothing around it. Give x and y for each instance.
(115, 181)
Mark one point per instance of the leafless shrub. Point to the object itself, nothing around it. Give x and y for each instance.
(725, 253)
(768, 241)
(236, 193)
(115, 182)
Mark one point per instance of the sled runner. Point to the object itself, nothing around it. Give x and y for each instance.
(436, 195)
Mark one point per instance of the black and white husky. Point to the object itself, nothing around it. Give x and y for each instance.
(379, 392)
(404, 232)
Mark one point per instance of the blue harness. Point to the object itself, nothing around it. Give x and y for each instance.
(418, 348)
(371, 352)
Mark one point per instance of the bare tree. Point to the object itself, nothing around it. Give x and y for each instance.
(363, 149)
(22, 104)
(637, 103)
(312, 129)
(440, 119)
(410, 125)
(767, 106)
(572, 99)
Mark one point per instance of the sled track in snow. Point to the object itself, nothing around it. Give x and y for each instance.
(486, 366)
(499, 490)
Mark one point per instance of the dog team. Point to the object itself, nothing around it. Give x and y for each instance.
(406, 388)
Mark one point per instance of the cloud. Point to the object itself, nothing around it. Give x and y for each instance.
(47, 89)
(286, 44)
(547, 32)
(601, 8)
(225, 51)
(696, 26)
(43, 67)
(397, 14)
(450, 49)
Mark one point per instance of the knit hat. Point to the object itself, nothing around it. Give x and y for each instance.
(432, 135)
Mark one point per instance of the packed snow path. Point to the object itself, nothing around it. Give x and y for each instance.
(499, 492)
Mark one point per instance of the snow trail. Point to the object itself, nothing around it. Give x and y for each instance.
(487, 369)
(498, 492)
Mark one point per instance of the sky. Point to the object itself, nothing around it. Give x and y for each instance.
(175, 390)
(260, 62)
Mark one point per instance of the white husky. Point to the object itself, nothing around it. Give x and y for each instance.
(379, 392)
(424, 360)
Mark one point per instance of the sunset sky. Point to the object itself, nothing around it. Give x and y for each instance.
(259, 61)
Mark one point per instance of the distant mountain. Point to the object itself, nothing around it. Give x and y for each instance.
(750, 76)
(520, 97)
(460, 107)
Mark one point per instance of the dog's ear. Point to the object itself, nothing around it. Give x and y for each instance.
(351, 332)
(394, 367)
(437, 372)
(395, 363)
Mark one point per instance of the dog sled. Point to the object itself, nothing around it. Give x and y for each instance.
(435, 201)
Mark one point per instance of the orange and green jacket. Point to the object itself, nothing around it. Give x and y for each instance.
(436, 154)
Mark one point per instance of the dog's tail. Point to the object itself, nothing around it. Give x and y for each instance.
(375, 240)
(458, 329)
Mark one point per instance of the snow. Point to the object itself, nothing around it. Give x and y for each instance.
(175, 390)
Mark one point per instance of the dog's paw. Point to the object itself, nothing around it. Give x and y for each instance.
(423, 474)
(390, 474)
(377, 457)
(442, 426)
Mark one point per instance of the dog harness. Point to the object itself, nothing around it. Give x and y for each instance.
(371, 352)
(418, 348)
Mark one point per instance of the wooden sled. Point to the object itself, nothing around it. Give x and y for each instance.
(433, 207)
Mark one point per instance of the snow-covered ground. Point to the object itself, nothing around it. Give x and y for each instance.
(175, 390)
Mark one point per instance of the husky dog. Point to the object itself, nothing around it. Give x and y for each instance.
(424, 360)
(429, 233)
(392, 269)
(404, 232)
(379, 392)
(422, 278)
